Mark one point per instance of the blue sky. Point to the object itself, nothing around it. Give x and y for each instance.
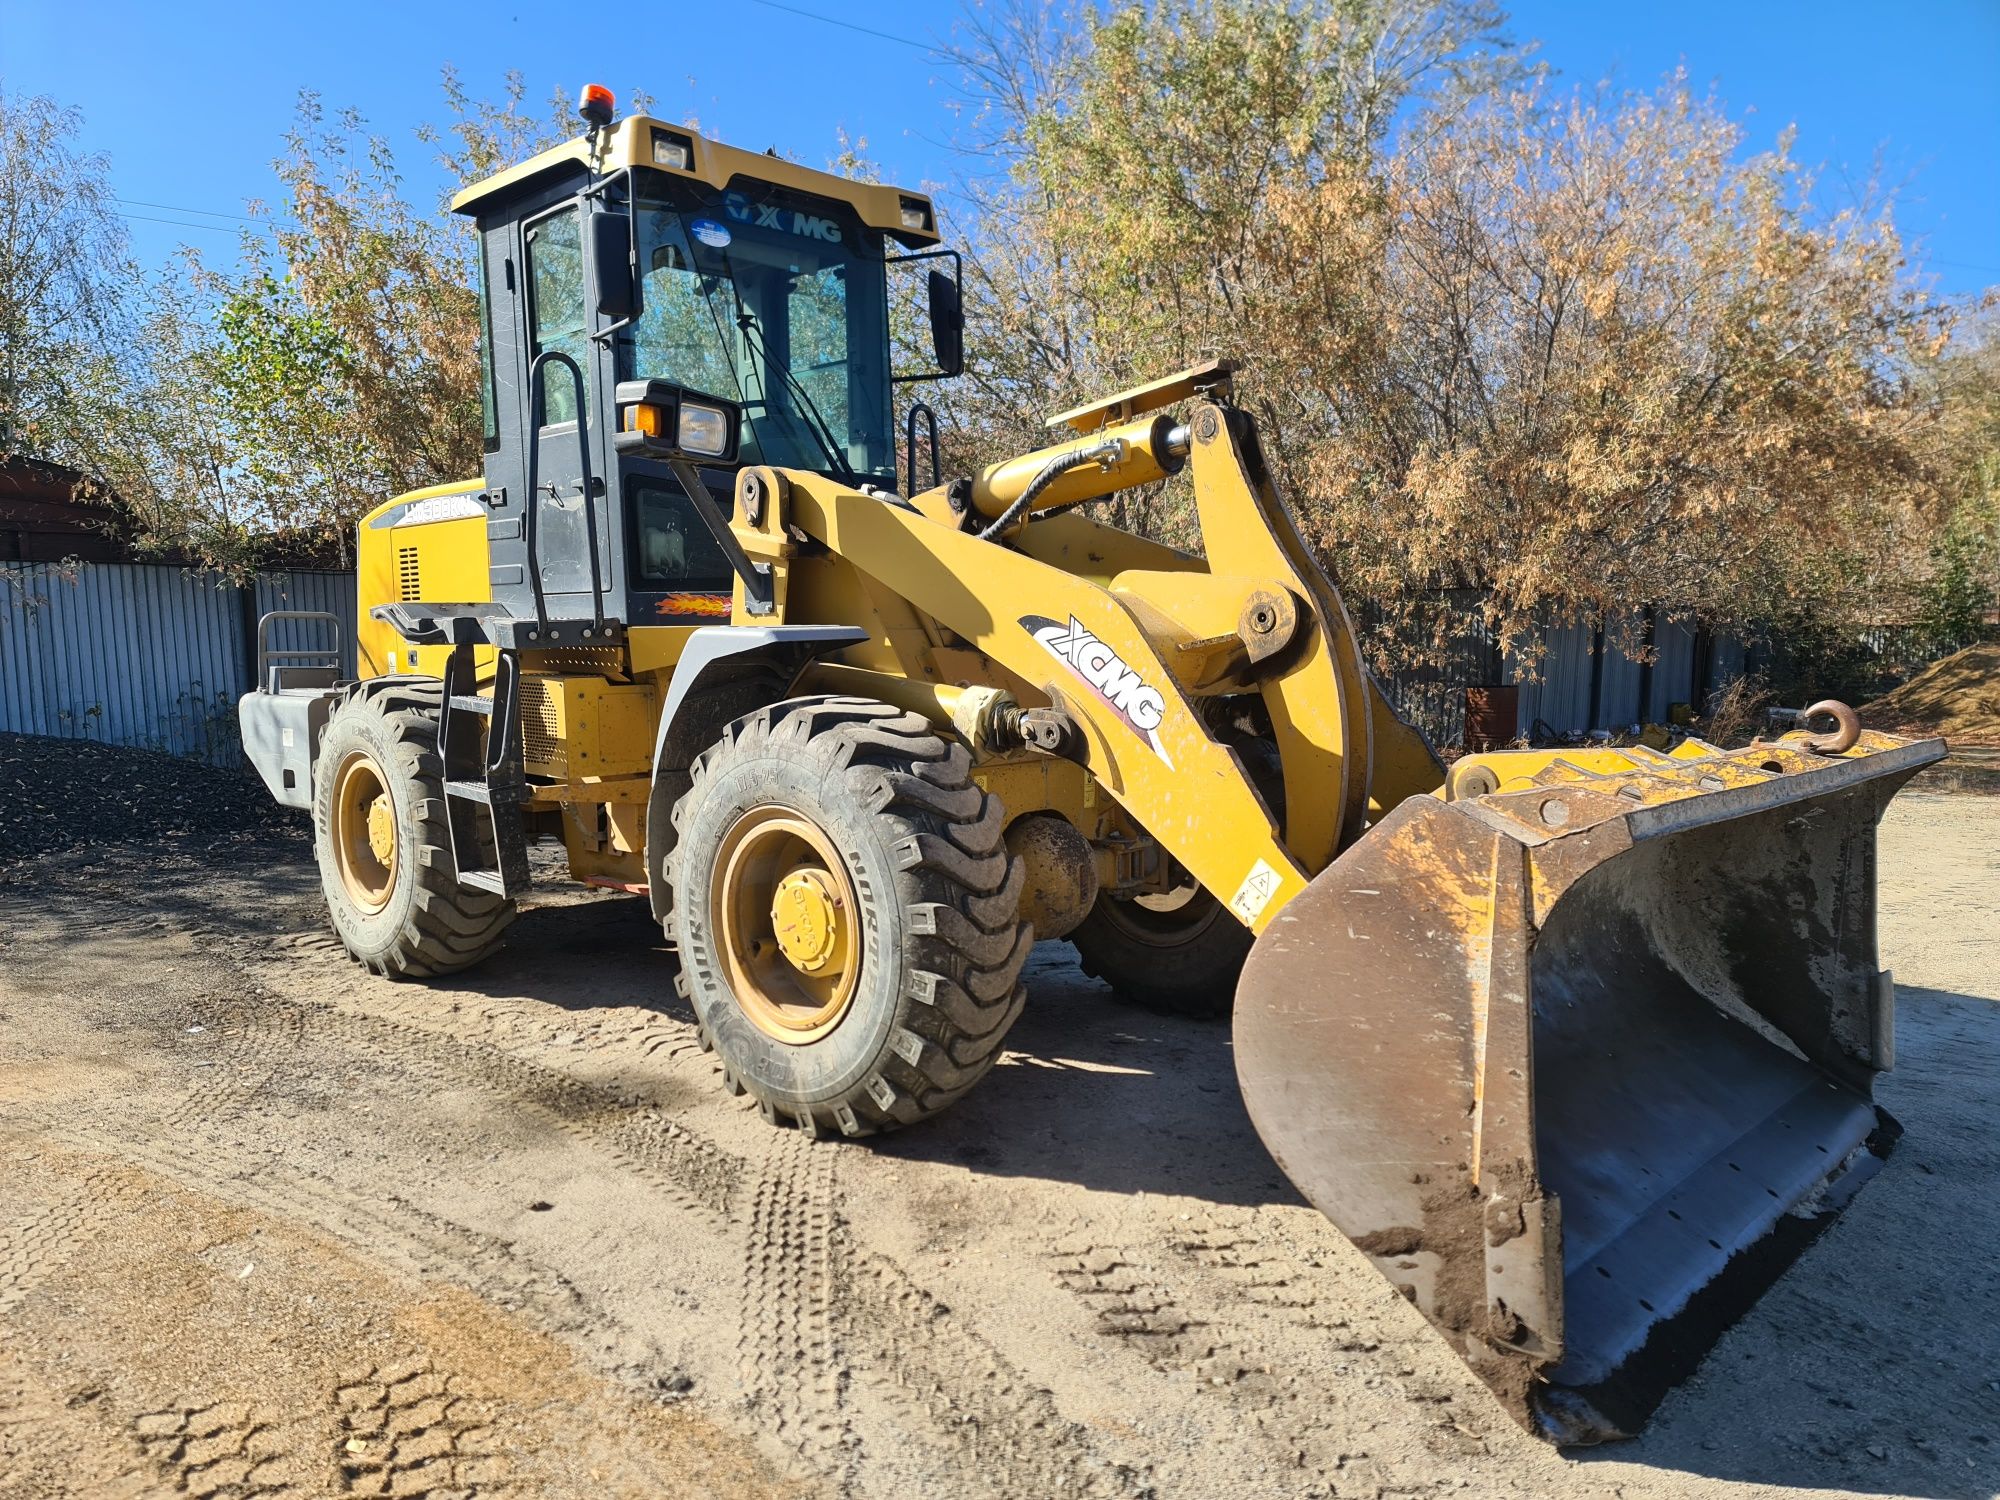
(189, 99)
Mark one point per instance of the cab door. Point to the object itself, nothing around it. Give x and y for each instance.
(558, 311)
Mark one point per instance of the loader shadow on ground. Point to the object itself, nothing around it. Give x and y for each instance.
(1176, 1124)
(1819, 1386)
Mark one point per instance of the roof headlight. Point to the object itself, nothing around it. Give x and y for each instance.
(674, 150)
(916, 214)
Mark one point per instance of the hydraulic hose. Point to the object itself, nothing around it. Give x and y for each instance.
(1106, 452)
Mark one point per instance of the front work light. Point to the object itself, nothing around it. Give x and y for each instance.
(658, 419)
(704, 431)
(916, 214)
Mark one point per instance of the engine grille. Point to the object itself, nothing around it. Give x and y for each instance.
(409, 575)
(542, 746)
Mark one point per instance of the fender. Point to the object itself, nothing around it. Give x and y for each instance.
(699, 702)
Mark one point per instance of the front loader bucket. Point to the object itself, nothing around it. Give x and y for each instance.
(1584, 1064)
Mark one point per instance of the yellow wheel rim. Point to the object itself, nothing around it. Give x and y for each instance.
(364, 831)
(787, 925)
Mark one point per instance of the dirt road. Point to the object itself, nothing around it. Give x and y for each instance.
(273, 1227)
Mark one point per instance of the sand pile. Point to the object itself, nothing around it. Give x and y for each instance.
(1958, 698)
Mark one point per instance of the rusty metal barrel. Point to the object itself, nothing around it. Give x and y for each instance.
(1492, 716)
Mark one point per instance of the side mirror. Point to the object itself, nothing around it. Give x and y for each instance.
(947, 323)
(658, 419)
(607, 245)
(946, 306)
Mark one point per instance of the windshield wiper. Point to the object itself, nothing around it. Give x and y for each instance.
(753, 342)
(812, 420)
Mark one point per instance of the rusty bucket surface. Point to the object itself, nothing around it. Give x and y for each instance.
(1583, 1064)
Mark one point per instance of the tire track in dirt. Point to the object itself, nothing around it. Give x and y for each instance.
(787, 1326)
(815, 1314)
(389, 1228)
(410, 1429)
(264, 1031)
(408, 1418)
(225, 1450)
(995, 1422)
(44, 1217)
(1282, 1347)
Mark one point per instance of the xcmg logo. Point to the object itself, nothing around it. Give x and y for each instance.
(1122, 689)
(784, 220)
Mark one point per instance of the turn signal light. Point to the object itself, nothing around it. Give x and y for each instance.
(647, 418)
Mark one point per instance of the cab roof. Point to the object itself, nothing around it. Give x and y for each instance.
(641, 141)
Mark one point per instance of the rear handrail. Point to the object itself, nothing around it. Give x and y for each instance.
(315, 656)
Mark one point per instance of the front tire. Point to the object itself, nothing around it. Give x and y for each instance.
(379, 836)
(846, 914)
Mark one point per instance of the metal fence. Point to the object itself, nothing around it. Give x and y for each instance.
(137, 654)
(1572, 678)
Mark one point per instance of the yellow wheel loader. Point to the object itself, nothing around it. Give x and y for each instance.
(1577, 1046)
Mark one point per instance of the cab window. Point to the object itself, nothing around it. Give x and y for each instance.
(556, 308)
(671, 549)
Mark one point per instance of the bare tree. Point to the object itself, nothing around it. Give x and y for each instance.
(66, 276)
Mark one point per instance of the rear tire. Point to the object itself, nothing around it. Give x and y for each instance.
(379, 835)
(888, 1009)
(1184, 960)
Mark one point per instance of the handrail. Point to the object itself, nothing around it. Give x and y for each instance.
(910, 445)
(325, 656)
(536, 390)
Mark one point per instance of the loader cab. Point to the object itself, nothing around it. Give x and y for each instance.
(644, 253)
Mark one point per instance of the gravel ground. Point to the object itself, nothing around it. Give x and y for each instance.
(57, 795)
(272, 1226)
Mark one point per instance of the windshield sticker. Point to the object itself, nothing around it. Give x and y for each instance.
(1140, 705)
(784, 220)
(710, 233)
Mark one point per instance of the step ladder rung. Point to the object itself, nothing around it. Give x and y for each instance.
(483, 880)
(469, 791)
(472, 705)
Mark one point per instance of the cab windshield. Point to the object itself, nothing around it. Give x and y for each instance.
(777, 302)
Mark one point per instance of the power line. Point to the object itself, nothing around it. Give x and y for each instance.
(813, 15)
(185, 224)
(200, 213)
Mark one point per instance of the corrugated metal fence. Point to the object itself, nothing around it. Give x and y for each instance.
(1572, 679)
(136, 654)
(156, 656)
